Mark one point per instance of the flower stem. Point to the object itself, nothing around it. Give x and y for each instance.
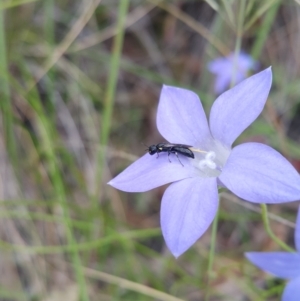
(238, 42)
(211, 254)
(282, 244)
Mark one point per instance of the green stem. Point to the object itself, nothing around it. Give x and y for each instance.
(211, 254)
(110, 94)
(282, 244)
(238, 42)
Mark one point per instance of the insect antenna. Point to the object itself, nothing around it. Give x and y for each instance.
(146, 146)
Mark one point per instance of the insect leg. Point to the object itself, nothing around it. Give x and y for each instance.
(178, 158)
(169, 152)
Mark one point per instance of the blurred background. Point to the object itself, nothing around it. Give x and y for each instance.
(79, 87)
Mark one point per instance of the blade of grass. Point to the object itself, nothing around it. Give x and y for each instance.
(110, 94)
(50, 39)
(5, 102)
(13, 3)
(68, 40)
(259, 12)
(6, 294)
(264, 30)
(83, 247)
(47, 141)
(96, 38)
(228, 8)
(59, 189)
(130, 285)
(195, 25)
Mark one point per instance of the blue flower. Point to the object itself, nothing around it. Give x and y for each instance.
(230, 68)
(253, 171)
(283, 265)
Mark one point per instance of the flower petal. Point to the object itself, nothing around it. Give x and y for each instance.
(221, 83)
(188, 208)
(149, 172)
(259, 174)
(281, 264)
(220, 65)
(297, 232)
(180, 116)
(245, 62)
(292, 290)
(234, 110)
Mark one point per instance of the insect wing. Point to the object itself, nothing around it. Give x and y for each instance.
(171, 145)
(182, 145)
(183, 150)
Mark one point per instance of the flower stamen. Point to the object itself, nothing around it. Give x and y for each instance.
(197, 150)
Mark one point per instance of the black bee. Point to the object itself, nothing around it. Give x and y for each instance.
(171, 148)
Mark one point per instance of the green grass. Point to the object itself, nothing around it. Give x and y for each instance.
(79, 89)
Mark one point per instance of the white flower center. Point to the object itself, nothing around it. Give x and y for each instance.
(210, 159)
